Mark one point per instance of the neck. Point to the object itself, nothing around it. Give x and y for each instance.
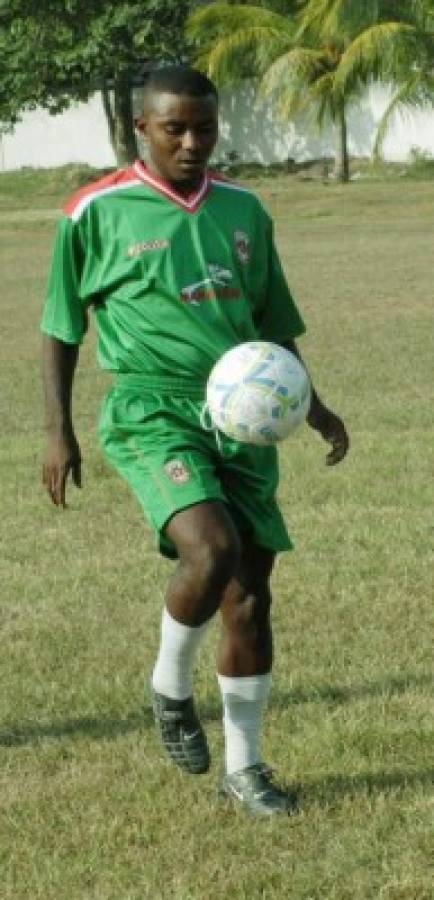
(184, 188)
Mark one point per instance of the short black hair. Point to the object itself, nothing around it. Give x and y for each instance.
(179, 79)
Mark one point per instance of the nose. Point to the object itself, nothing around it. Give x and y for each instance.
(190, 140)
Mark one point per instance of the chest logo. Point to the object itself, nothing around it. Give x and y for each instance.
(216, 286)
(144, 246)
(242, 246)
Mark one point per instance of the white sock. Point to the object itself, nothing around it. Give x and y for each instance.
(243, 703)
(173, 671)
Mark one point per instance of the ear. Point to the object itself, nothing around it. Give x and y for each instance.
(140, 124)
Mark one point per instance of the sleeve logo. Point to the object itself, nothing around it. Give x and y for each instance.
(242, 246)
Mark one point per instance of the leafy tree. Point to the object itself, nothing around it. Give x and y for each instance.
(316, 58)
(55, 51)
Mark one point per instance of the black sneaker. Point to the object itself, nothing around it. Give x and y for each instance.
(253, 787)
(181, 733)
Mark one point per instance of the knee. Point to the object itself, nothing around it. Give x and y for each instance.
(215, 561)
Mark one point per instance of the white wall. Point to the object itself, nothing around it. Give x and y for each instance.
(78, 135)
(247, 126)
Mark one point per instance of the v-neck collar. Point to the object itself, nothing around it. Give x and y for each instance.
(189, 203)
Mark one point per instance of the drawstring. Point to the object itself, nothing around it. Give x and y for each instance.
(205, 419)
(207, 424)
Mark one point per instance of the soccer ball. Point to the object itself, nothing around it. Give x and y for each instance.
(258, 393)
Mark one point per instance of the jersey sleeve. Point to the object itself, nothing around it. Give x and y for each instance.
(64, 316)
(278, 317)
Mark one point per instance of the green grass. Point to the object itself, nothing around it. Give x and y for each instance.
(88, 806)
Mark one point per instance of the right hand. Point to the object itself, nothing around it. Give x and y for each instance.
(62, 456)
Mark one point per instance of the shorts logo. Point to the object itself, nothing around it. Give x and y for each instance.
(242, 246)
(177, 471)
(144, 246)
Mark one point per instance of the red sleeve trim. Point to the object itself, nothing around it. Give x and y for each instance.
(95, 187)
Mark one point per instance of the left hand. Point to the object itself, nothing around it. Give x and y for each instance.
(332, 429)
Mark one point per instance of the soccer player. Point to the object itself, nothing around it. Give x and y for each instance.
(178, 265)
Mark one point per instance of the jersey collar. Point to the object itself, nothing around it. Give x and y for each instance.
(189, 203)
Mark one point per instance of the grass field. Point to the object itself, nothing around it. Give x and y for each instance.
(88, 806)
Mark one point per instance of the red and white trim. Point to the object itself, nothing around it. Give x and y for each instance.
(138, 174)
(190, 203)
(117, 181)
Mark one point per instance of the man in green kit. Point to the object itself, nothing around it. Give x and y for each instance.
(178, 266)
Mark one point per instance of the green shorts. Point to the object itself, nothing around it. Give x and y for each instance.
(154, 438)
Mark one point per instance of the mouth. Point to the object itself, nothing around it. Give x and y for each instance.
(190, 164)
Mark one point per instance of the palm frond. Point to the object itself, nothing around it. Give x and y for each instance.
(297, 65)
(417, 12)
(236, 41)
(221, 19)
(291, 80)
(317, 16)
(225, 60)
(337, 20)
(378, 52)
(413, 93)
(322, 94)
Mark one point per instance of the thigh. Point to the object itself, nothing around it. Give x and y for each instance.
(157, 445)
(256, 564)
(204, 526)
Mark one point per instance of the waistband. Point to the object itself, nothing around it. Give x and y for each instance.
(161, 384)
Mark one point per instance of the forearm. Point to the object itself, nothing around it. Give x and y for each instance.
(316, 404)
(324, 420)
(59, 362)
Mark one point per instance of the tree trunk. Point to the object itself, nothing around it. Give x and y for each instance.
(342, 163)
(106, 102)
(120, 122)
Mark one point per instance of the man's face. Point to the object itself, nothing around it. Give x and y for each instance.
(180, 132)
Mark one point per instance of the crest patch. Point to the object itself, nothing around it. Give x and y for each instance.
(242, 246)
(177, 471)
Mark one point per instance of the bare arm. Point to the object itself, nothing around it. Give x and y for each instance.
(62, 454)
(322, 419)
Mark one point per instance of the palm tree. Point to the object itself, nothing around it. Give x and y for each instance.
(396, 47)
(318, 58)
(410, 66)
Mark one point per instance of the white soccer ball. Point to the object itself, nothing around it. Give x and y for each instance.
(258, 393)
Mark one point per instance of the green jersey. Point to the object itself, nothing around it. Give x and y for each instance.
(173, 281)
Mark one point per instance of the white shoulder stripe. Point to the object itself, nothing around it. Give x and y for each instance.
(85, 201)
(231, 186)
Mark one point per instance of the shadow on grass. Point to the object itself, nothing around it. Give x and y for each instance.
(336, 694)
(16, 735)
(331, 788)
(89, 727)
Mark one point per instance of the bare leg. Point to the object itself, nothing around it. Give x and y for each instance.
(246, 646)
(245, 659)
(209, 549)
(208, 546)
(214, 571)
